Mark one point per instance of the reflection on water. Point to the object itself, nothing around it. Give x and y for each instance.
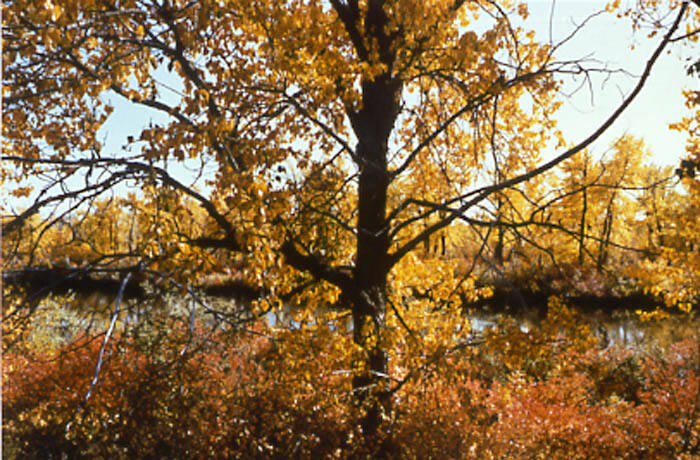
(629, 331)
(613, 329)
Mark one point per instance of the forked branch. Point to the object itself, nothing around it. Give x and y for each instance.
(485, 192)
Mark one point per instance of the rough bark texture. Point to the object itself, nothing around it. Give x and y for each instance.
(372, 124)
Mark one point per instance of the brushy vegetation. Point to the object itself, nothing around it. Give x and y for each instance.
(269, 393)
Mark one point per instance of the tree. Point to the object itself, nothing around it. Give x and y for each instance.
(334, 139)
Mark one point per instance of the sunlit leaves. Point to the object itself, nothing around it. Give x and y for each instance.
(318, 157)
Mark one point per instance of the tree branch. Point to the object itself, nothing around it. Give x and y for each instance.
(100, 356)
(316, 267)
(131, 166)
(349, 14)
(484, 192)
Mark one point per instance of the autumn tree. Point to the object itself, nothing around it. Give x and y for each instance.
(331, 140)
(672, 217)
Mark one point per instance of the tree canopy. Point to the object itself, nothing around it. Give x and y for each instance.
(353, 173)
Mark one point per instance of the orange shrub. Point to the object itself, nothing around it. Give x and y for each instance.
(239, 396)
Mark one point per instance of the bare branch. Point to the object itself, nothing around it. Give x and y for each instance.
(100, 356)
(132, 166)
(484, 192)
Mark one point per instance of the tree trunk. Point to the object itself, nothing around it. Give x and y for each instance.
(369, 309)
(373, 125)
(605, 234)
(584, 210)
(498, 249)
(367, 295)
(370, 384)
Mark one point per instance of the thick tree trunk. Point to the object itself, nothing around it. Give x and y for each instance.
(369, 309)
(370, 384)
(373, 125)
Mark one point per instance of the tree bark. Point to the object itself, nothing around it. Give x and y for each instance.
(584, 210)
(373, 124)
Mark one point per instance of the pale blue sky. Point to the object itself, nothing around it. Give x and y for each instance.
(605, 38)
(608, 39)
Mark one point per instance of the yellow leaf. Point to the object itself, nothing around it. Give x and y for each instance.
(56, 12)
